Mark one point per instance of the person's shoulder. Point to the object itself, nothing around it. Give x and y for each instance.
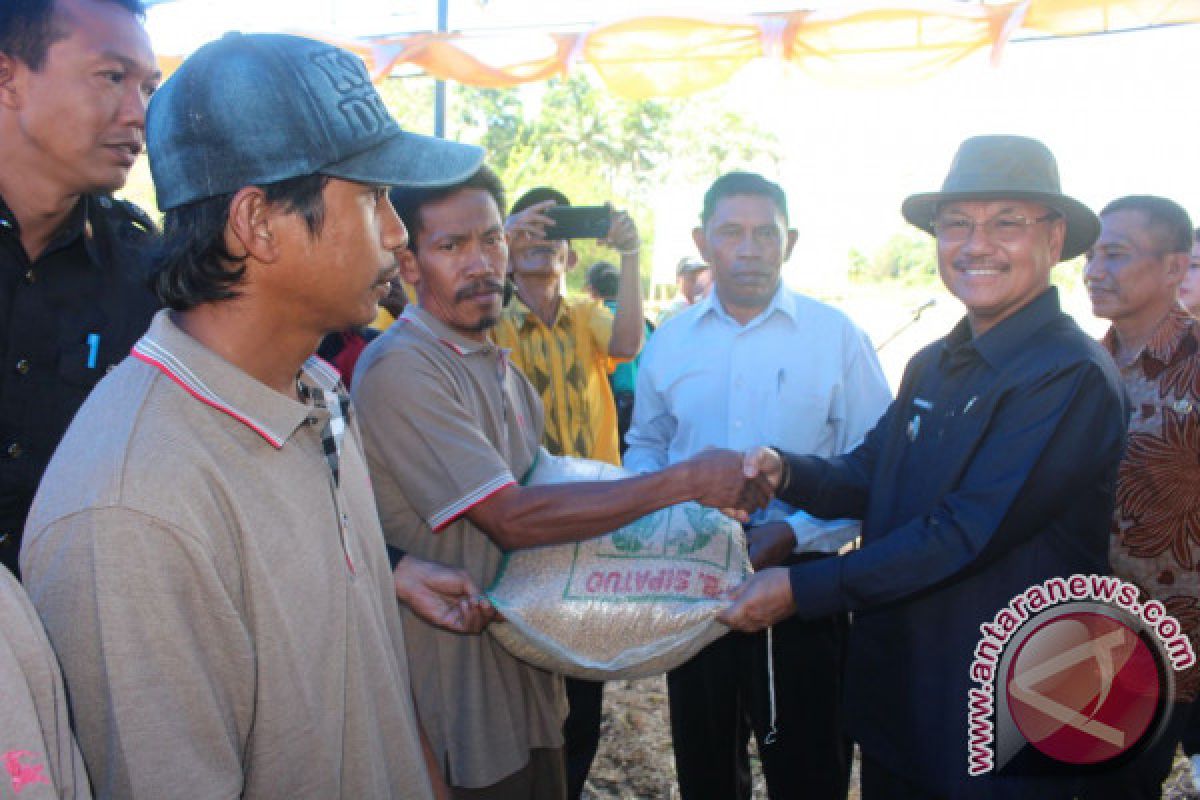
(820, 314)
(1063, 343)
(582, 304)
(113, 453)
(134, 236)
(669, 333)
(402, 357)
(127, 219)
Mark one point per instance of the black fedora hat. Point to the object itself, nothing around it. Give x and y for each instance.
(1009, 168)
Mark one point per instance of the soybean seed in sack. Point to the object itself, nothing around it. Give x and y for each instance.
(635, 602)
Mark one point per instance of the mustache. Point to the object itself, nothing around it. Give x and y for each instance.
(979, 263)
(484, 286)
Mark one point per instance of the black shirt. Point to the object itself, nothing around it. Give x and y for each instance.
(992, 471)
(65, 319)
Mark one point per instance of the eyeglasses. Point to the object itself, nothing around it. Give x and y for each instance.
(1005, 228)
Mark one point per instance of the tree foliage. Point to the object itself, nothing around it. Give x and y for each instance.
(909, 258)
(594, 146)
(573, 134)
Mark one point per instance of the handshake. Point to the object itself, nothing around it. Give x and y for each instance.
(736, 483)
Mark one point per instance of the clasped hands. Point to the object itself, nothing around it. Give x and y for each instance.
(736, 483)
(766, 596)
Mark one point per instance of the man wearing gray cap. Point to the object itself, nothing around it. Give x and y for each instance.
(205, 549)
(991, 472)
(693, 279)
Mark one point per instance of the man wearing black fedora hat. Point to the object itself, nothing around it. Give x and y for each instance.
(991, 472)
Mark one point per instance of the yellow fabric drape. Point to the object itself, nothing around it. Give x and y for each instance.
(1070, 17)
(669, 56)
(894, 45)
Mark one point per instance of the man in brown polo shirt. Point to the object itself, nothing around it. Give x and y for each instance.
(449, 427)
(205, 549)
(38, 756)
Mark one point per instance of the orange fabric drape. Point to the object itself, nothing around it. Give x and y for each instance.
(675, 56)
(446, 58)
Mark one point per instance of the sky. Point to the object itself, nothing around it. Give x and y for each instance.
(1117, 110)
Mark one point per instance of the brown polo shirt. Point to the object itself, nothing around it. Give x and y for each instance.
(38, 756)
(447, 422)
(222, 604)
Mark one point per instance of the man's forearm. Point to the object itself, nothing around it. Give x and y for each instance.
(820, 487)
(628, 324)
(519, 516)
(570, 512)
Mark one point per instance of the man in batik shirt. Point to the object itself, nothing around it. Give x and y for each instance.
(1133, 275)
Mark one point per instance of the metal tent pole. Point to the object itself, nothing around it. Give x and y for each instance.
(439, 87)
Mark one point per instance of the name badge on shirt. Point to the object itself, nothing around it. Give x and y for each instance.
(914, 424)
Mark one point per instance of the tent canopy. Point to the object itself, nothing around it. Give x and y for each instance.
(663, 56)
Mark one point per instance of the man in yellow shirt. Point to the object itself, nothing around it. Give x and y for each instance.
(566, 347)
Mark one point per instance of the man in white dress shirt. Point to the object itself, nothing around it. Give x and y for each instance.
(756, 362)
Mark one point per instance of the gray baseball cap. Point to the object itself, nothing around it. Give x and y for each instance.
(252, 109)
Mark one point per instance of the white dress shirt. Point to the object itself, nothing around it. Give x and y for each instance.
(800, 376)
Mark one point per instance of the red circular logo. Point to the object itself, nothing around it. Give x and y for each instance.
(1083, 688)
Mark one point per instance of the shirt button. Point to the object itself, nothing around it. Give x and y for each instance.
(737, 423)
(6, 538)
(15, 450)
(23, 366)
(30, 276)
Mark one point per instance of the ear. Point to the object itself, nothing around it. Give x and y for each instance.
(408, 266)
(1177, 265)
(251, 224)
(10, 84)
(792, 236)
(1058, 237)
(701, 242)
(572, 258)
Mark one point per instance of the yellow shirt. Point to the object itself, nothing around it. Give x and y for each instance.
(383, 319)
(568, 364)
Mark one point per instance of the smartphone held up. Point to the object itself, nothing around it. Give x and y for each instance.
(578, 222)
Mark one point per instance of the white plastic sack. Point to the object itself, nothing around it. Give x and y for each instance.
(635, 602)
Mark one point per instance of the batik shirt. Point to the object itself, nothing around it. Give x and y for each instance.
(1156, 523)
(568, 364)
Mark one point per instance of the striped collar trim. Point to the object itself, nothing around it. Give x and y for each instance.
(150, 351)
(432, 327)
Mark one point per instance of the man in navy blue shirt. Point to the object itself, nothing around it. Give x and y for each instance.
(992, 471)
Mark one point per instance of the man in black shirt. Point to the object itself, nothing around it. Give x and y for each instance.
(75, 77)
(992, 471)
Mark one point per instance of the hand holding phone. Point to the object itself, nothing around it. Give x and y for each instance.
(578, 222)
(623, 234)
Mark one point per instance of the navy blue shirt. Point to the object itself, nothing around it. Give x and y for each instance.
(993, 470)
(66, 318)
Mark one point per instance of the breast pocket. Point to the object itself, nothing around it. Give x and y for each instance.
(85, 363)
(798, 420)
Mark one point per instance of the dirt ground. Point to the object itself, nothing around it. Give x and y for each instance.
(634, 762)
